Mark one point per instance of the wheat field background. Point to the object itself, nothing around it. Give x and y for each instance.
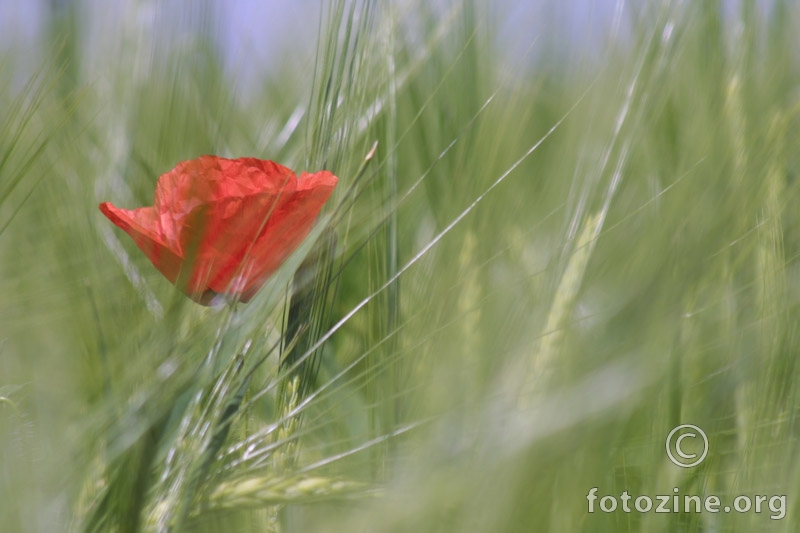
(565, 244)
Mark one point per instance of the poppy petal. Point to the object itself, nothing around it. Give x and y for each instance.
(288, 226)
(216, 238)
(209, 179)
(222, 225)
(142, 225)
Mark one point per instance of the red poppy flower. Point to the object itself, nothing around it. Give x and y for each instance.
(224, 225)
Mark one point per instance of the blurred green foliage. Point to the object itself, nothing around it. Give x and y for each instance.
(549, 263)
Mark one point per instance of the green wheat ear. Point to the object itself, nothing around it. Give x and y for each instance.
(260, 492)
(543, 364)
